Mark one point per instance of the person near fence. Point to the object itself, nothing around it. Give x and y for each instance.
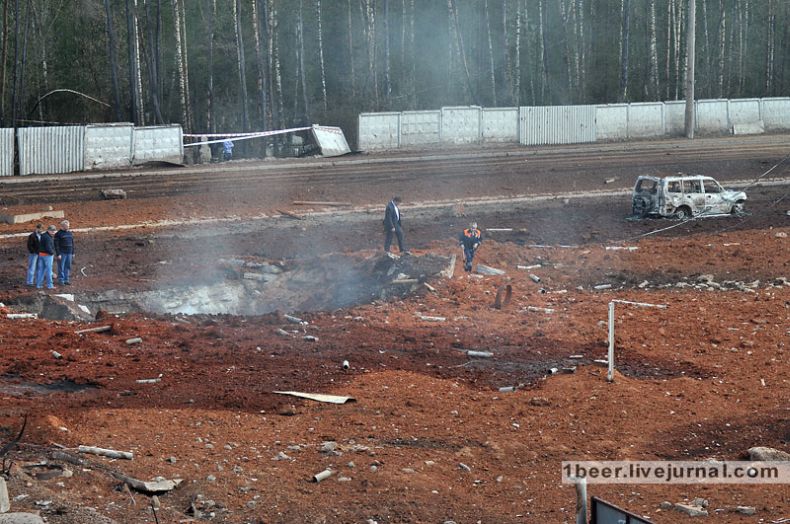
(470, 240)
(64, 251)
(46, 252)
(227, 150)
(392, 226)
(33, 241)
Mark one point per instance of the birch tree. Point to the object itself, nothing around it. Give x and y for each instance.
(135, 106)
(212, 15)
(241, 63)
(625, 38)
(259, 15)
(181, 67)
(653, 53)
(321, 54)
(491, 65)
(113, 59)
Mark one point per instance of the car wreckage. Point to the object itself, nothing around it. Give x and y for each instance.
(683, 196)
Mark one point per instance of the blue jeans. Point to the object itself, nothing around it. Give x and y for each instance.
(32, 258)
(469, 254)
(64, 268)
(44, 272)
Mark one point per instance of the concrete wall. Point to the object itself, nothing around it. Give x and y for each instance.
(158, 144)
(108, 146)
(557, 125)
(776, 113)
(645, 120)
(461, 125)
(612, 122)
(6, 152)
(45, 150)
(420, 128)
(379, 131)
(499, 124)
(712, 117)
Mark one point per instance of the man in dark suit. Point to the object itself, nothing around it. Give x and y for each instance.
(392, 225)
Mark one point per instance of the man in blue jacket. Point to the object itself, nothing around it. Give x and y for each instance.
(33, 241)
(392, 226)
(46, 252)
(470, 239)
(64, 249)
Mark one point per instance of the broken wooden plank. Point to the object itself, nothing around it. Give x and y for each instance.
(405, 281)
(319, 203)
(318, 397)
(104, 452)
(29, 217)
(98, 329)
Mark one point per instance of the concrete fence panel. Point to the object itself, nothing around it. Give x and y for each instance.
(6, 152)
(645, 119)
(744, 111)
(378, 131)
(675, 118)
(420, 128)
(611, 122)
(500, 124)
(461, 125)
(108, 146)
(712, 116)
(776, 113)
(51, 150)
(547, 125)
(158, 144)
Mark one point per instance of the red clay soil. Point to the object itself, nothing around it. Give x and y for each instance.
(430, 438)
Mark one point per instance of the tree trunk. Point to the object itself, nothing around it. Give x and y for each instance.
(241, 63)
(413, 60)
(350, 34)
(544, 59)
(462, 52)
(653, 75)
(257, 16)
(3, 61)
(152, 63)
(691, 32)
(113, 57)
(185, 48)
(15, 70)
(302, 72)
(722, 55)
(181, 66)
(274, 65)
(387, 71)
(706, 42)
(321, 53)
(25, 40)
(212, 15)
(770, 49)
(131, 32)
(40, 28)
(138, 84)
(625, 37)
(491, 64)
(369, 14)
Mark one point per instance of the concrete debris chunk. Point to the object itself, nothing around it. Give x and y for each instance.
(294, 320)
(5, 502)
(765, 454)
(111, 453)
(98, 329)
(535, 278)
(428, 318)
(113, 194)
(310, 338)
(479, 354)
(331, 399)
(691, 511)
(603, 286)
(134, 340)
(746, 510)
(536, 309)
(488, 270)
(29, 217)
(20, 518)
(464, 467)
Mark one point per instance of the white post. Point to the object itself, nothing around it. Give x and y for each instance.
(581, 500)
(610, 375)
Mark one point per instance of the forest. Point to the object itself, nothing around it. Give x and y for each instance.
(240, 65)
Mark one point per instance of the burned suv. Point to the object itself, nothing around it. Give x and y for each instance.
(683, 196)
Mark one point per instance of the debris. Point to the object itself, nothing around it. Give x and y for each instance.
(533, 266)
(345, 364)
(82, 270)
(691, 511)
(29, 217)
(430, 287)
(746, 510)
(621, 248)
(20, 316)
(535, 278)
(66, 296)
(150, 380)
(602, 286)
(20, 518)
(111, 453)
(310, 338)
(610, 180)
(113, 194)
(315, 203)
(289, 214)
(430, 318)
(479, 354)
(331, 399)
(781, 234)
(601, 361)
(5, 502)
(503, 296)
(464, 467)
(294, 320)
(405, 281)
(318, 477)
(329, 447)
(576, 357)
(487, 270)
(159, 485)
(762, 453)
(259, 277)
(282, 332)
(281, 456)
(99, 329)
(135, 340)
(450, 270)
(508, 389)
(500, 229)
(536, 309)
(57, 356)
(539, 401)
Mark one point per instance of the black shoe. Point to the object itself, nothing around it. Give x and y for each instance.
(67, 283)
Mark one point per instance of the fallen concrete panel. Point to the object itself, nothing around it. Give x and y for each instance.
(331, 140)
(753, 128)
(29, 217)
(331, 399)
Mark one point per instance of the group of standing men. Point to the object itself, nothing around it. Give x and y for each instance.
(469, 239)
(46, 246)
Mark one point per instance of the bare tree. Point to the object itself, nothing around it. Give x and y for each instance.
(152, 59)
(461, 50)
(350, 34)
(3, 60)
(491, 65)
(259, 25)
(134, 73)
(321, 53)
(275, 79)
(212, 15)
(653, 70)
(722, 54)
(302, 73)
(241, 63)
(112, 54)
(183, 81)
(625, 37)
(770, 48)
(387, 66)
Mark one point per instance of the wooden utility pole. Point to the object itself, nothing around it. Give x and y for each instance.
(690, 58)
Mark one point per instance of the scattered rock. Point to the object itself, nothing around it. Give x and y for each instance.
(20, 518)
(329, 447)
(113, 194)
(781, 234)
(487, 270)
(171, 460)
(281, 456)
(762, 453)
(746, 510)
(211, 478)
(539, 401)
(691, 511)
(701, 502)
(666, 505)
(5, 503)
(464, 467)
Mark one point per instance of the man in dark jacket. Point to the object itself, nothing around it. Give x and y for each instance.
(392, 225)
(470, 239)
(64, 251)
(46, 251)
(33, 241)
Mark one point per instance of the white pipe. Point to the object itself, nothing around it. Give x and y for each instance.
(610, 374)
(318, 477)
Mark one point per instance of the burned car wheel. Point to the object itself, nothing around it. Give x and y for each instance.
(683, 213)
(737, 208)
(640, 207)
